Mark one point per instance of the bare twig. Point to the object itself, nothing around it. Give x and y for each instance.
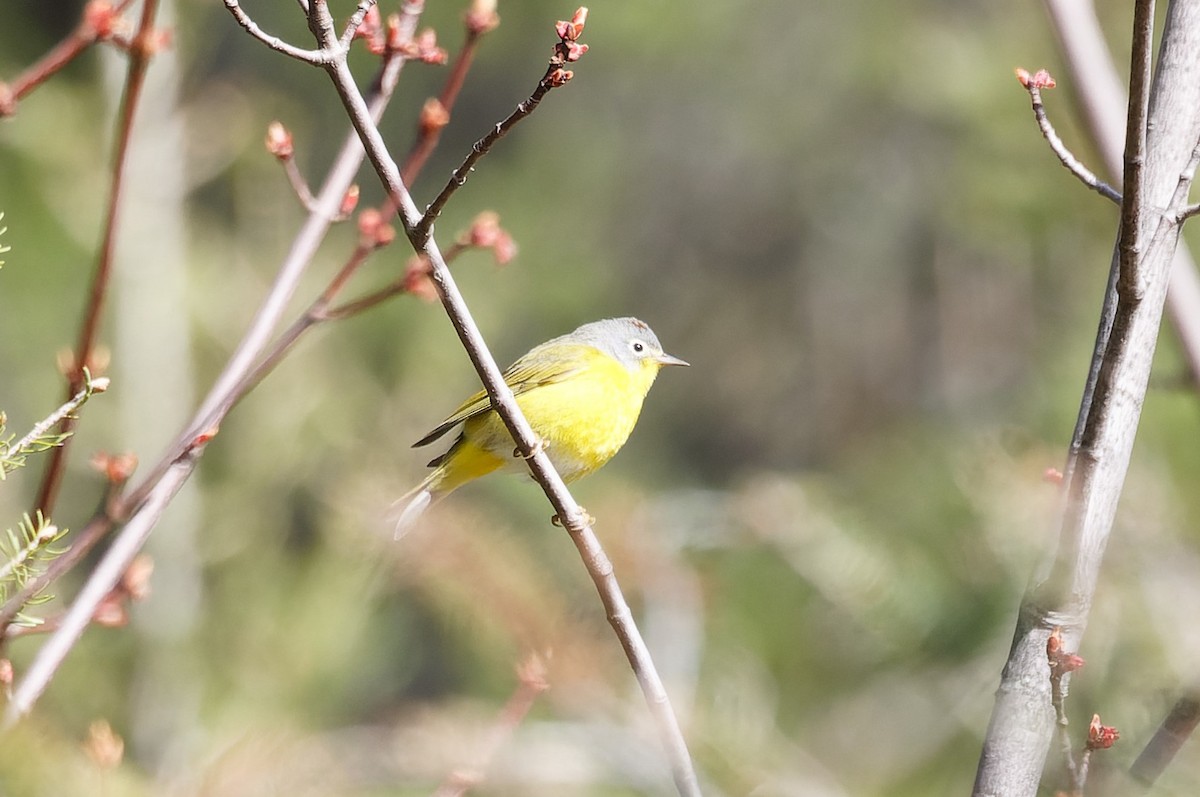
(139, 59)
(90, 388)
(568, 49)
(1034, 86)
(574, 518)
(97, 24)
(225, 390)
(481, 147)
(1059, 698)
(1176, 729)
(316, 57)
(352, 24)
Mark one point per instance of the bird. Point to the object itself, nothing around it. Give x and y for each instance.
(581, 393)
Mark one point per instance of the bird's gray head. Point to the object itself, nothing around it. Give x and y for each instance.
(629, 341)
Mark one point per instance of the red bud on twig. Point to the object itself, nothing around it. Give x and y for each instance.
(481, 17)
(417, 280)
(1039, 80)
(104, 746)
(373, 229)
(571, 31)
(117, 468)
(349, 201)
(423, 48)
(136, 581)
(100, 17)
(434, 117)
(279, 141)
(1101, 737)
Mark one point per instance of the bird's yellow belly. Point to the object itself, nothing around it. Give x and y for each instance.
(583, 421)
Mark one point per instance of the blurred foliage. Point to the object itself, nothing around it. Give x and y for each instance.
(841, 213)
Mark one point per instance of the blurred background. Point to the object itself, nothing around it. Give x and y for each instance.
(842, 214)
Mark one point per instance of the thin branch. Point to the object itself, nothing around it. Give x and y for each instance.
(99, 585)
(315, 57)
(92, 28)
(139, 60)
(299, 184)
(481, 147)
(90, 388)
(352, 24)
(223, 395)
(1167, 741)
(1065, 157)
(1170, 218)
(573, 517)
(1058, 696)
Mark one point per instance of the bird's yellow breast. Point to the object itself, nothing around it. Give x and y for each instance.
(583, 419)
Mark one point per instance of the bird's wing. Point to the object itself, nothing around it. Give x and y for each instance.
(541, 366)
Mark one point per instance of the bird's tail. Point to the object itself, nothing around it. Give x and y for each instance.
(414, 503)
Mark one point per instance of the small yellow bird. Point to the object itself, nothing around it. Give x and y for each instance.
(581, 392)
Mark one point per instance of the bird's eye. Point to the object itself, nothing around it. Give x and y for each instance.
(639, 347)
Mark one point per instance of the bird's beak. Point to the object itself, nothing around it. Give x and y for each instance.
(666, 359)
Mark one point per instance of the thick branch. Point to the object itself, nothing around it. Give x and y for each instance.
(1102, 98)
(1061, 593)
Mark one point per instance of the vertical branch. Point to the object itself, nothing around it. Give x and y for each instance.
(1130, 240)
(1022, 721)
(1102, 100)
(140, 52)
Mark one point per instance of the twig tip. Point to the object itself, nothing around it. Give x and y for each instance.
(1038, 80)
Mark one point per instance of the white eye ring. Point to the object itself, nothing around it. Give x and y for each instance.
(638, 346)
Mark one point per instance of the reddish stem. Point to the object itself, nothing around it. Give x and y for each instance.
(139, 58)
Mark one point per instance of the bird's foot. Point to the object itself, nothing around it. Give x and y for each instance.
(538, 447)
(588, 520)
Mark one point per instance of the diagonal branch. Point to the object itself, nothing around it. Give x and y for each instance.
(1176, 729)
(180, 458)
(481, 147)
(573, 517)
